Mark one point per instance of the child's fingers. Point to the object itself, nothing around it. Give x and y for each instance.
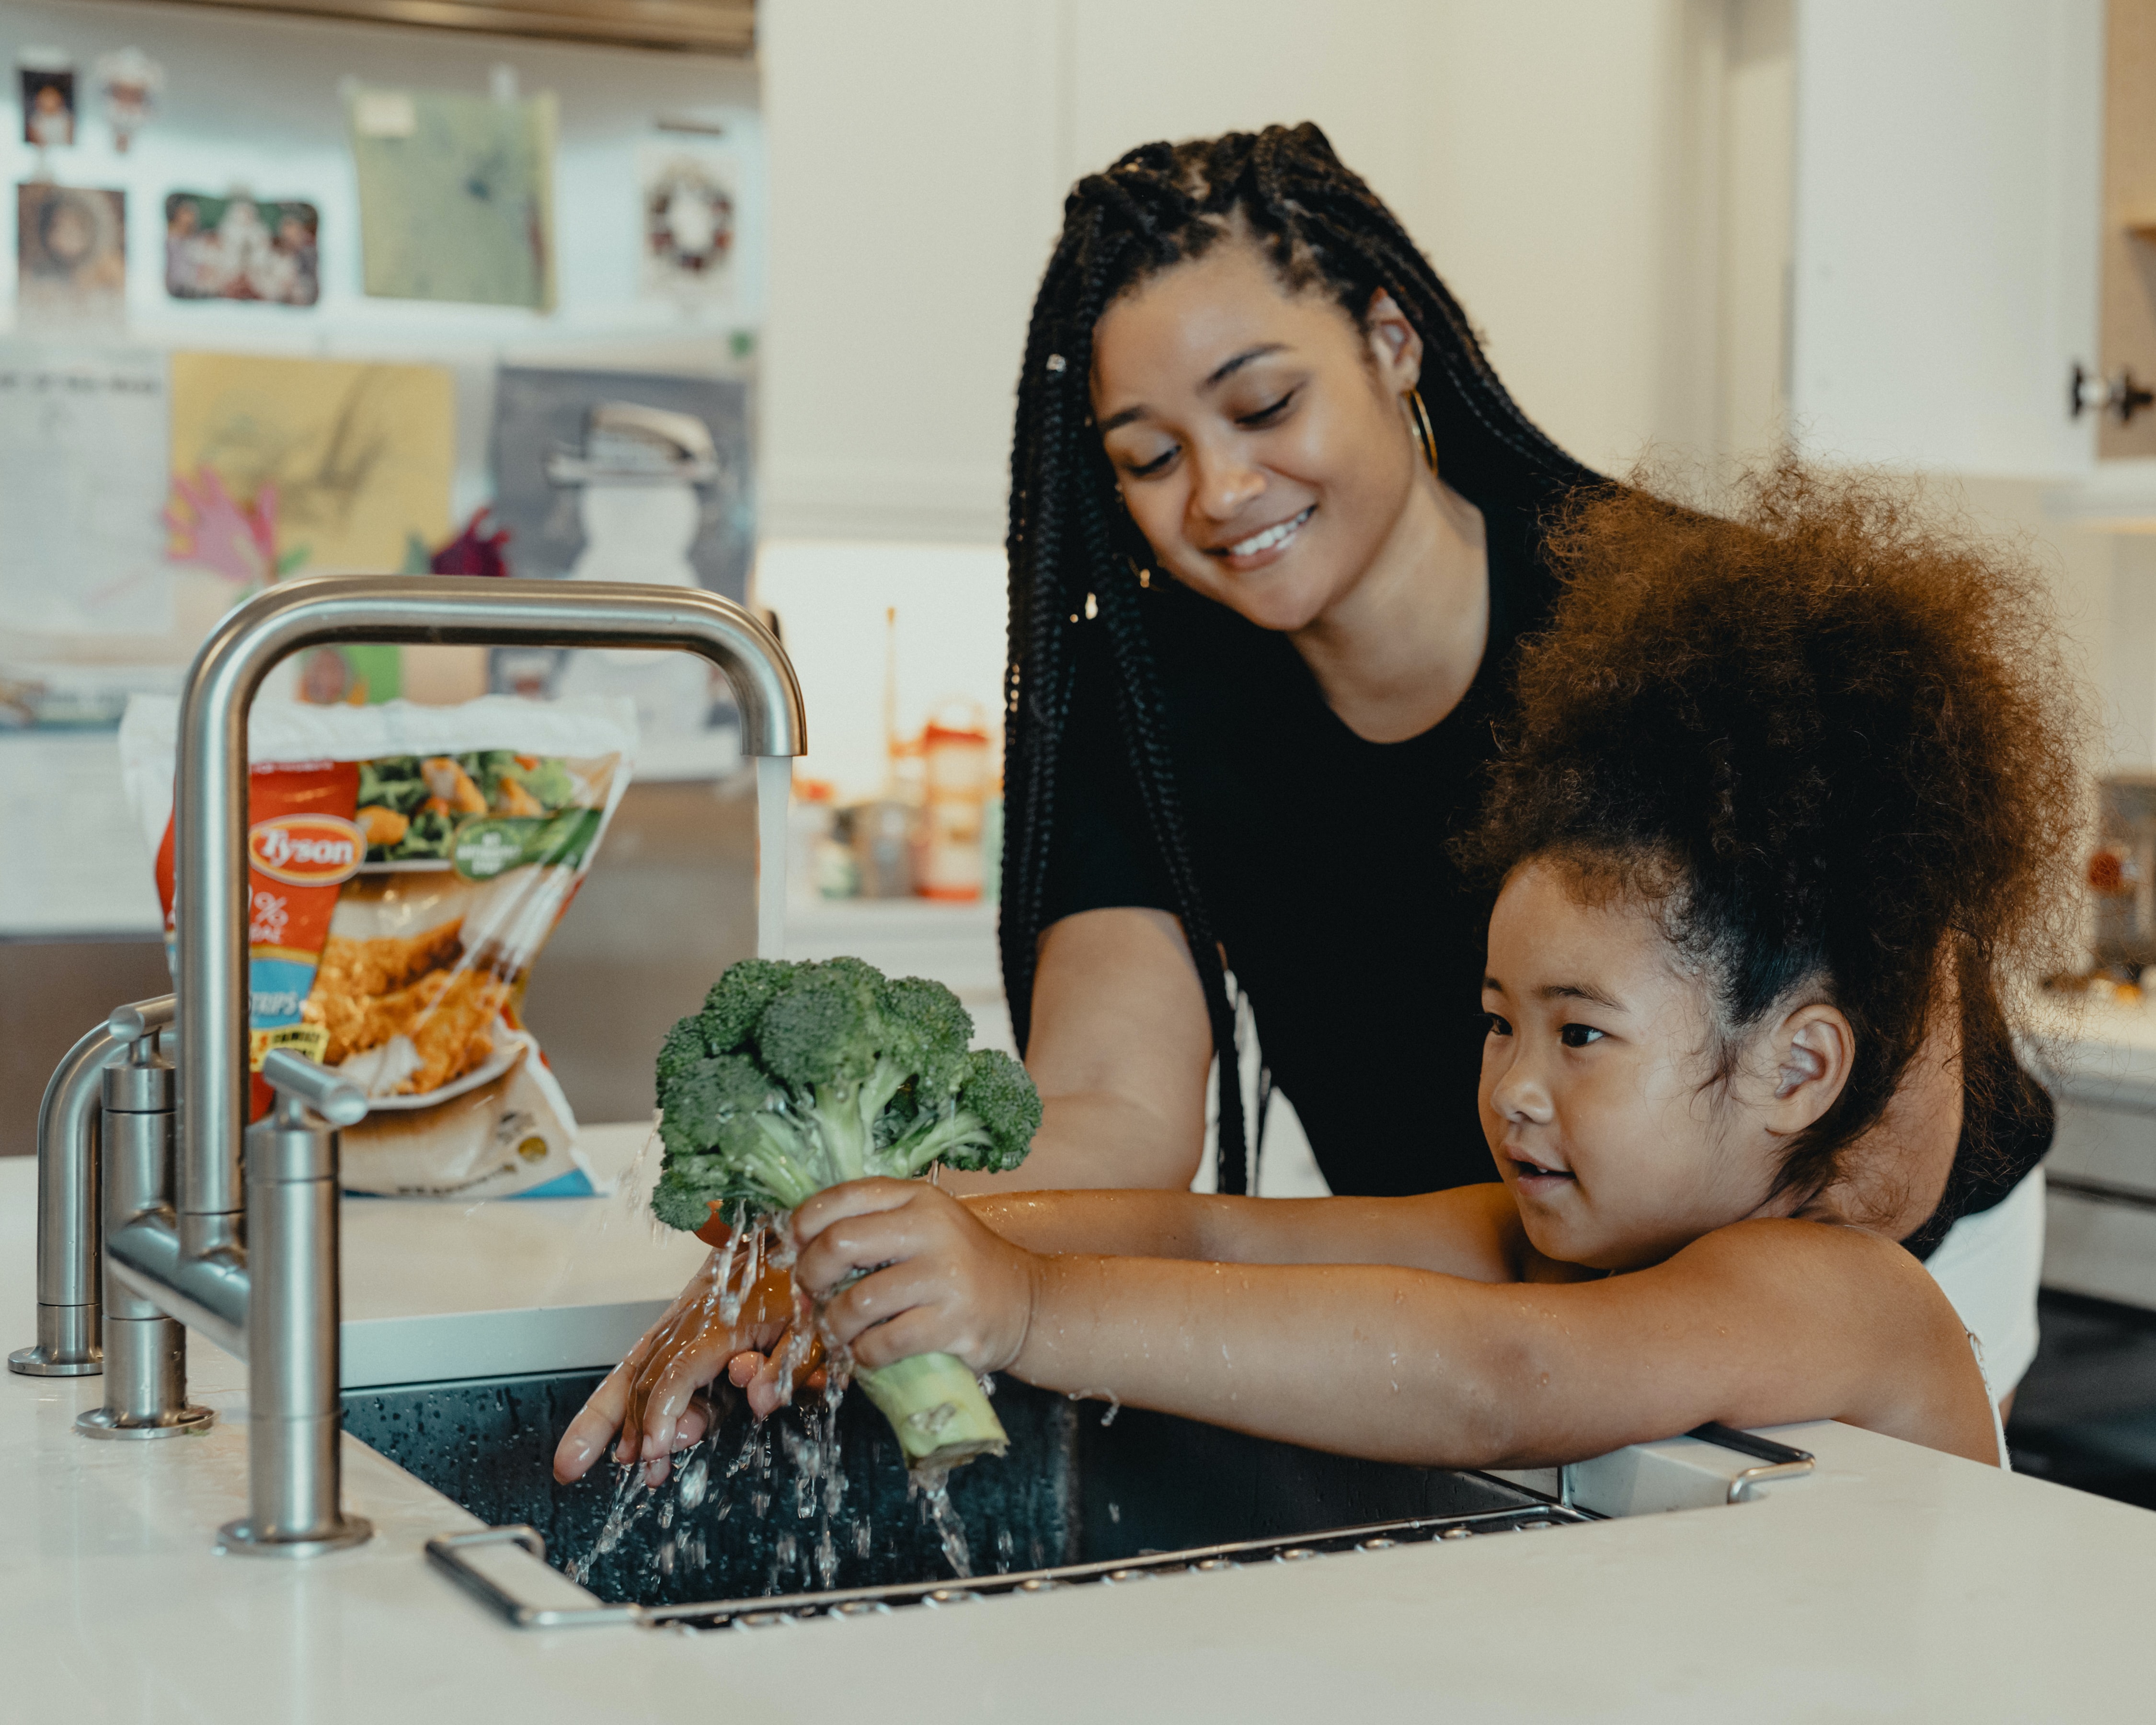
(880, 1298)
(920, 1330)
(863, 1240)
(856, 1198)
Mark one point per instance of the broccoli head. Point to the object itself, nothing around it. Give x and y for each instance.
(794, 1077)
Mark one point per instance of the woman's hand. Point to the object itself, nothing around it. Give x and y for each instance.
(938, 1281)
(649, 1399)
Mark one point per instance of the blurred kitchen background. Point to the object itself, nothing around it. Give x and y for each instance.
(774, 258)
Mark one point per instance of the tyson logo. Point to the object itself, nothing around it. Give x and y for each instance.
(307, 849)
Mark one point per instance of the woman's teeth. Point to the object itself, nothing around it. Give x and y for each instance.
(1271, 536)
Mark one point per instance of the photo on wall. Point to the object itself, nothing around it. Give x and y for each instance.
(241, 247)
(48, 103)
(70, 258)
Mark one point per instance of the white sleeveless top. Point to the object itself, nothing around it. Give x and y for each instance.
(1997, 1426)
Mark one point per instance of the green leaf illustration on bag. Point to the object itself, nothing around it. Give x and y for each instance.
(496, 844)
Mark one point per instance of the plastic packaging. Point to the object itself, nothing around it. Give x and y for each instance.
(407, 864)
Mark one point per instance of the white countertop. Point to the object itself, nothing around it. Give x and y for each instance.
(438, 1289)
(1896, 1584)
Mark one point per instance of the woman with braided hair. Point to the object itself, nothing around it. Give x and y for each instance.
(1276, 535)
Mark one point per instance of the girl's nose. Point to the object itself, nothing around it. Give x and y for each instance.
(1519, 1094)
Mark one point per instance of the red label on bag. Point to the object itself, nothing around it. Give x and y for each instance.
(302, 844)
(306, 850)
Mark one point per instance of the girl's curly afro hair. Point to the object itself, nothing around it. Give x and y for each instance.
(1830, 738)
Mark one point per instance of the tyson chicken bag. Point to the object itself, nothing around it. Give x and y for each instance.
(406, 865)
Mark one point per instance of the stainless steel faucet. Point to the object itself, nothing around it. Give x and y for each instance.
(260, 1278)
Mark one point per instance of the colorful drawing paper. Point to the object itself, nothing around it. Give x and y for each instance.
(455, 196)
(358, 457)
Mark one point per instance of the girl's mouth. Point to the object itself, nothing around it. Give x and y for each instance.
(1533, 1177)
(1262, 547)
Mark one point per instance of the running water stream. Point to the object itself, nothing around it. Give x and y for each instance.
(789, 1475)
(774, 791)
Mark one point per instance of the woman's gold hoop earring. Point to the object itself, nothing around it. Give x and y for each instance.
(1419, 428)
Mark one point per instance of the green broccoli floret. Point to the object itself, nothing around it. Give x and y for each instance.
(827, 1035)
(683, 1048)
(987, 1128)
(737, 1000)
(795, 1077)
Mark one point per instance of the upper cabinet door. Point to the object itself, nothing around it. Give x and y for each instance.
(1949, 189)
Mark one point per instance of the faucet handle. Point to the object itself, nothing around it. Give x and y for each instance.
(143, 1018)
(295, 1078)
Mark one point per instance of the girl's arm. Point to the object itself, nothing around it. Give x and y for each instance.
(1471, 1231)
(1761, 1323)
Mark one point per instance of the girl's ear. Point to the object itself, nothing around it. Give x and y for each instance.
(1813, 1048)
(1395, 347)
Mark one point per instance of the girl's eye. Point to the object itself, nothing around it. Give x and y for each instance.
(1147, 469)
(1579, 1035)
(1495, 1026)
(1266, 416)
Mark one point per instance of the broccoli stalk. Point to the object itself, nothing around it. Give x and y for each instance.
(795, 1077)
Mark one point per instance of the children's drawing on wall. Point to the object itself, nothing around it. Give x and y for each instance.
(48, 86)
(690, 196)
(358, 457)
(283, 464)
(71, 258)
(613, 476)
(239, 247)
(212, 530)
(128, 81)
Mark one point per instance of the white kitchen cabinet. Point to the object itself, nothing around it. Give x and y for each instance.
(1948, 185)
(1561, 164)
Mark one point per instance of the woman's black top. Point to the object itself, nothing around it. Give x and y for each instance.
(1325, 864)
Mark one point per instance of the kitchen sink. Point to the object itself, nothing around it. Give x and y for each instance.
(1085, 1493)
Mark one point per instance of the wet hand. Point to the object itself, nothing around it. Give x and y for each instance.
(759, 1375)
(937, 1279)
(649, 1406)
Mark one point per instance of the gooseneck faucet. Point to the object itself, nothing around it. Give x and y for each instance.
(209, 800)
(256, 1271)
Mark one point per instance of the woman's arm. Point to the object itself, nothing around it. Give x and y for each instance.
(1757, 1324)
(1119, 1050)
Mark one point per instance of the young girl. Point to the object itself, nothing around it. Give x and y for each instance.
(1780, 786)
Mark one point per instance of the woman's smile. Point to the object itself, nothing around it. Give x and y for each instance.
(1263, 546)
